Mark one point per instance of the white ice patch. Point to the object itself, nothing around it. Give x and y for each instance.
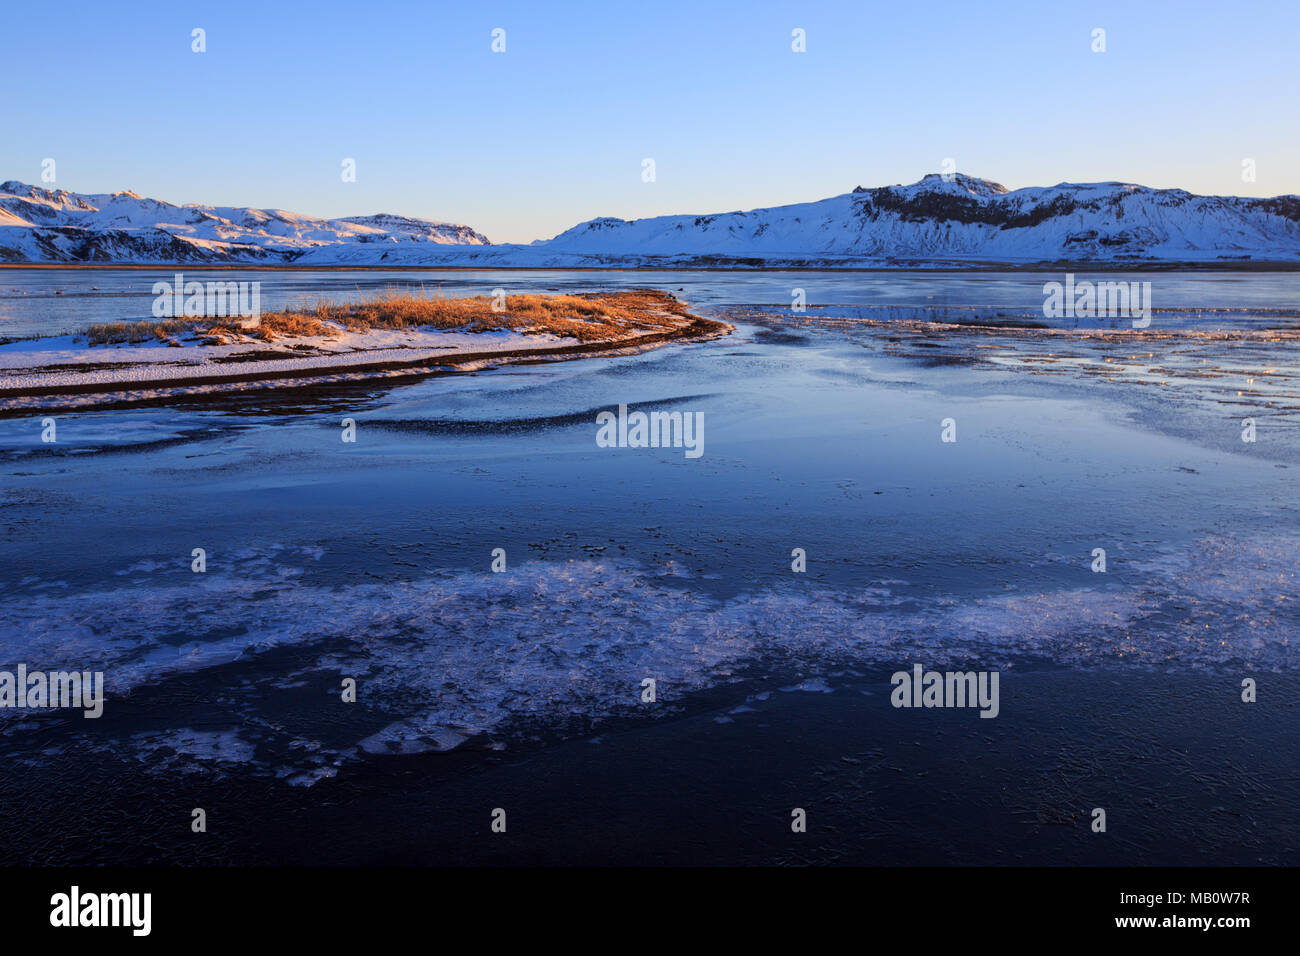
(813, 685)
(222, 746)
(463, 653)
(411, 737)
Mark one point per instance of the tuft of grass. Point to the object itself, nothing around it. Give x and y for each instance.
(118, 333)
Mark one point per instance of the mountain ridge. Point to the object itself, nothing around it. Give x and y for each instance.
(44, 225)
(950, 219)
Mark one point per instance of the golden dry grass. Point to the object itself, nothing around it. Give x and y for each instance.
(587, 317)
(115, 333)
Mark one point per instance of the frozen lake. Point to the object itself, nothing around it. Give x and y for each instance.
(372, 560)
(51, 301)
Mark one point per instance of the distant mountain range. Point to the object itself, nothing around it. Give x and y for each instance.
(42, 225)
(959, 220)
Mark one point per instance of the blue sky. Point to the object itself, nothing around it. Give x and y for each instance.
(553, 131)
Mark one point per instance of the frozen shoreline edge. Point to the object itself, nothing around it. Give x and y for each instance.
(17, 399)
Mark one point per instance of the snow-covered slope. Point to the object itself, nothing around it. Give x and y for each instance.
(968, 219)
(961, 220)
(42, 225)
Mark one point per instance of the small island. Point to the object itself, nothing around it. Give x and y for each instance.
(391, 335)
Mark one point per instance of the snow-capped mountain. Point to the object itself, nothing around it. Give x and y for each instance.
(43, 225)
(936, 221)
(965, 218)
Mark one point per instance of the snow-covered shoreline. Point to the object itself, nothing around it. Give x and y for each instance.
(65, 372)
